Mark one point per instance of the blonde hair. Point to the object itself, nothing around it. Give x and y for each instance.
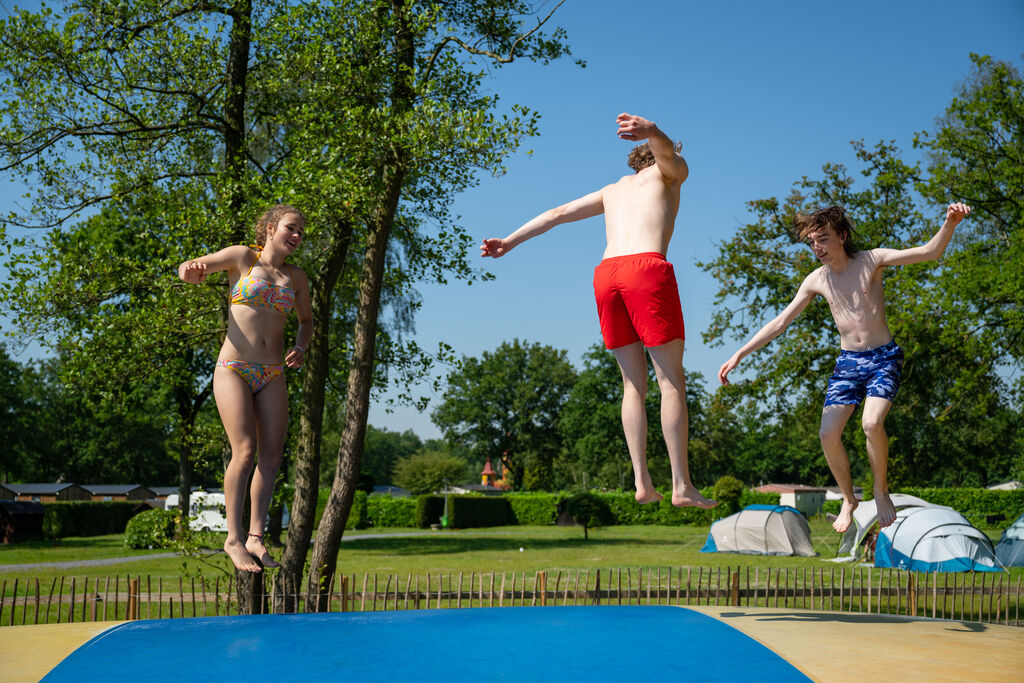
(271, 217)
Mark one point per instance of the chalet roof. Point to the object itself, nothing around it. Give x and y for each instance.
(113, 489)
(37, 489)
(790, 488)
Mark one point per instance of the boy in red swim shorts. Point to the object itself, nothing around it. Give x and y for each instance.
(637, 296)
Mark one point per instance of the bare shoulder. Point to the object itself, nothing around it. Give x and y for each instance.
(298, 274)
(812, 284)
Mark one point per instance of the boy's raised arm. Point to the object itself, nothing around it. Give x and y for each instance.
(935, 247)
(585, 207)
(670, 164)
(773, 329)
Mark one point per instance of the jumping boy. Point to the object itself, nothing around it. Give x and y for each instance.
(869, 364)
(637, 296)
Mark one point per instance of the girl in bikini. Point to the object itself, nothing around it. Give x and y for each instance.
(248, 381)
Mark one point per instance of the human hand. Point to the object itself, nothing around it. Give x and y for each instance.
(494, 248)
(295, 357)
(194, 272)
(956, 212)
(634, 127)
(727, 367)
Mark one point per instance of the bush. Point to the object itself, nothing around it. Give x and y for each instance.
(728, 491)
(589, 511)
(151, 529)
(86, 518)
(975, 504)
(388, 511)
(533, 509)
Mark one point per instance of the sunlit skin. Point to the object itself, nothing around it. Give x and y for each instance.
(256, 423)
(640, 212)
(852, 286)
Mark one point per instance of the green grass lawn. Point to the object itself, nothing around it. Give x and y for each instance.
(514, 548)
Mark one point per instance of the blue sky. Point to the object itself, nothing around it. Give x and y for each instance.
(759, 94)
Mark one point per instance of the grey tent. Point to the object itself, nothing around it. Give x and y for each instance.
(761, 530)
(1010, 549)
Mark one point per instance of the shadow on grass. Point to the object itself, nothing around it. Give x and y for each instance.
(446, 545)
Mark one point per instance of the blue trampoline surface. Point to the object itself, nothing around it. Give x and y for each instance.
(509, 644)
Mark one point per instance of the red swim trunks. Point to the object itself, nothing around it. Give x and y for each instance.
(638, 300)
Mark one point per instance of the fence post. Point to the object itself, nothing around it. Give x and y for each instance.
(133, 600)
(912, 593)
(542, 583)
(734, 581)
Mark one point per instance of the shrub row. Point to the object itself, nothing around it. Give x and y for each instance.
(464, 511)
(151, 529)
(86, 518)
(357, 518)
(975, 504)
(386, 511)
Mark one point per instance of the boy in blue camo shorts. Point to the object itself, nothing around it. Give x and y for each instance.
(868, 367)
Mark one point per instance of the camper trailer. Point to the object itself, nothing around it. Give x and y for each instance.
(206, 511)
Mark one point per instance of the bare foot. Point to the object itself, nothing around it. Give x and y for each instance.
(886, 510)
(845, 518)
(240, 557)
(651, 496)
(691, 497)
(254, 545)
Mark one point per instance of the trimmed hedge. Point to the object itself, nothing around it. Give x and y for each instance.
(464, 512)
(87, 517)
(389, 511)
(356, 516)
(151, 529)
(975, 504)
(534, 509)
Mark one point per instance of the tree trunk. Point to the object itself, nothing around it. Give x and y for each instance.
(306, 472)
(360, 378)
(357, 404)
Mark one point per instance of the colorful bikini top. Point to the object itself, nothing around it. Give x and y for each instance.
(252, 291)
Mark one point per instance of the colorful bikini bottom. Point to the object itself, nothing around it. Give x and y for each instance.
(256, 375)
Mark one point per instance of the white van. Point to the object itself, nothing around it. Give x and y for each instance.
(206, 511)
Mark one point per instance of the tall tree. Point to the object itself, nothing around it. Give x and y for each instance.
(427, 129)
(505, 406)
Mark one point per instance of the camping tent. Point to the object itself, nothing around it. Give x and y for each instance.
(934, 539)
(1010, 549)
(865, 517)
(761, 530)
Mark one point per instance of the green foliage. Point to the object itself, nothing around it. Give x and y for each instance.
(505, 406)
(589, 511)
(86, 518)
(975, 504)
(430, 471)
(728, 491)
(357, 515)
(391, 511)
(382, 449)
(534, 508)
(151, 529)
(464, 512)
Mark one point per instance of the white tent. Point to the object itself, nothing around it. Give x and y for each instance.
(761, 530)
(865, 517)
(934, 539)
(1010, 549)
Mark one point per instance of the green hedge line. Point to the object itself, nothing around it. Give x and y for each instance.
(464, 512)
(389, 511)
(975, 504)
(357, 518)
(87, 518)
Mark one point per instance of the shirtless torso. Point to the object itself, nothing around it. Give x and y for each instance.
(640, 212)
(857, 301)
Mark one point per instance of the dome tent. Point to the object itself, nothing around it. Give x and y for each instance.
(934, 540)
(1010, 549)
(865, 516)
(761, 530)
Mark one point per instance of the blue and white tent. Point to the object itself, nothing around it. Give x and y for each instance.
(934, 539)
(761, 530)
(1010, 549)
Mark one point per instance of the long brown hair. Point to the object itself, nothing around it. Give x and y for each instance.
(832, 217)
(271, 217)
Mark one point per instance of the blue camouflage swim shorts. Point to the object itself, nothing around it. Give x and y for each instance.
(857, 374)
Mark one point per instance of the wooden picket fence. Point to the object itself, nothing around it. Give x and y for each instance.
(982, 596)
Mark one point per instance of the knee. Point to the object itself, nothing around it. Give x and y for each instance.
(243, 455)
(633, 392)
(873, 426)
(829, 435)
